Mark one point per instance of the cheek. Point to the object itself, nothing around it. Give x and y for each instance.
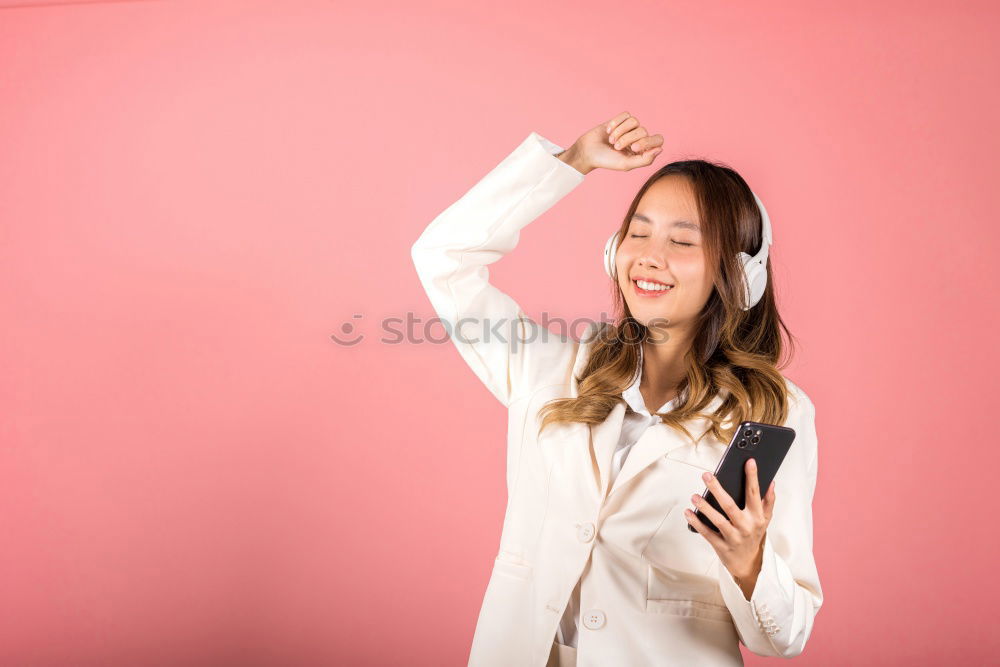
(623, 260)
(694, 274)
(691, 270)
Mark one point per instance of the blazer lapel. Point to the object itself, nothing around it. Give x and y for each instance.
(603, 442)
(603, 436)
(658, 441)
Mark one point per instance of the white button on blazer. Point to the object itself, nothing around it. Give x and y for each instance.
(637, 420)
(651, 592)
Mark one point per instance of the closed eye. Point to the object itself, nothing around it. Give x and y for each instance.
(641, 236)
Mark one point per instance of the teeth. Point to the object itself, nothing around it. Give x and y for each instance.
(652, 286)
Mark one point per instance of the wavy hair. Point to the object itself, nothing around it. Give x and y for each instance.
(735, 353)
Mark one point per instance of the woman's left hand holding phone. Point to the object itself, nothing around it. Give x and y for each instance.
(740, 540)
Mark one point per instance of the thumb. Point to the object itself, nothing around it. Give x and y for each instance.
(645, 158)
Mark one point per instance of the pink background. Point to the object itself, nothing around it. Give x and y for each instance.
(195, 195)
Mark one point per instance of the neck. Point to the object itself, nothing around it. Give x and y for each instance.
(663, 367)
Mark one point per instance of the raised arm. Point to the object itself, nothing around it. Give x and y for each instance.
(509, 353)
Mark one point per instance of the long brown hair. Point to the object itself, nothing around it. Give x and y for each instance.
(735, 353)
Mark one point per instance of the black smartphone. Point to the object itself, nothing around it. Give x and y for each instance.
(767, 445)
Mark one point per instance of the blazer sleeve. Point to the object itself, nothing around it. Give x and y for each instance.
(778, 618)
(509, 353)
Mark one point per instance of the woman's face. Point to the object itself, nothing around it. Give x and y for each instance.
(664, 245)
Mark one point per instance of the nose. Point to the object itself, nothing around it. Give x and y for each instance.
(651, 260)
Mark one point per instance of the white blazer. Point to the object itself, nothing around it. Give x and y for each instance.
(652, 592)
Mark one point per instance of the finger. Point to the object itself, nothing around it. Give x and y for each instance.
(646, 143)
(628, 124)
(769, 501)
(715, 516)
(753, 500)
(642, 159)
(649, 156)
(611, 124)
(725, 501)
(706, 532)
(630, 139)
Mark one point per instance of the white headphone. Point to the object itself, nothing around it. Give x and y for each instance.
(754, 268)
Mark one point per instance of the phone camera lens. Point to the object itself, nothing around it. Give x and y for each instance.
(748, 432)
(755, 440)
(742, 443)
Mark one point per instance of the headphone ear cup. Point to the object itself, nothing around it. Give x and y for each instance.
(610, 249)
(755, 280)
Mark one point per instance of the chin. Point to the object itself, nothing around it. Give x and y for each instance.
(645, 319)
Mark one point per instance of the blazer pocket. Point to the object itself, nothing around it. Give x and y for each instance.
(505, 565)
(680, 594)
(674, 548)
(695, 608)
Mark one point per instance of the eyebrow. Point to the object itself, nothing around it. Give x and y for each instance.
(676, 223)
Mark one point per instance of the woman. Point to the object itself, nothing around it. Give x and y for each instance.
(597, 564)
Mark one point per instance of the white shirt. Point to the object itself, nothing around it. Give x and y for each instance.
(637, 420)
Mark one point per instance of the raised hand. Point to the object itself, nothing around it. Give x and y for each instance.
(621, 144)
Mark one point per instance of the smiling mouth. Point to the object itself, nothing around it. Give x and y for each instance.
(659, 290)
